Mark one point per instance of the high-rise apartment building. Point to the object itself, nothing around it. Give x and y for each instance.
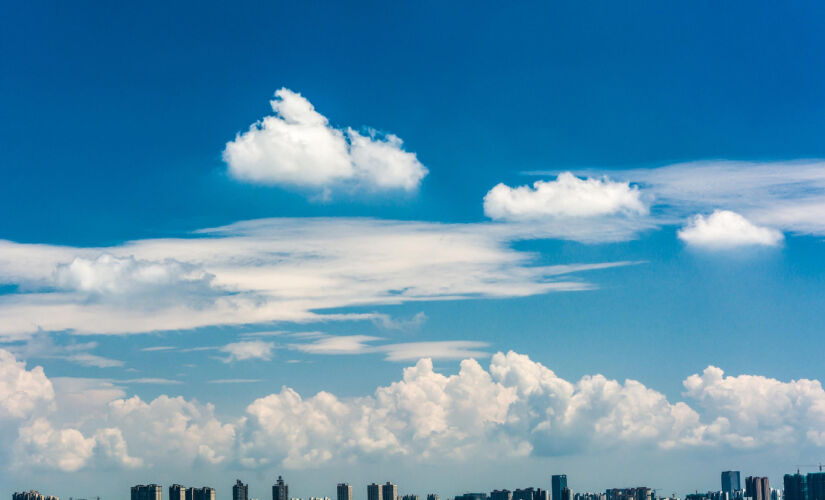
(240, 491)
(390, 491)
(177, 492)
(433, 496)
(816, 486)
(280, 490)
(565, 493)
(638, 493)
(344, 491)
(375, 492)
(558, 483)
(410, 497)
(203, 493)
(472, 496)
(32, 495)
(730, 482)
(796, 486)
(501, 495)
(147, 492)
(758, 488)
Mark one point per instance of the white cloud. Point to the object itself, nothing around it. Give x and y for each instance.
(725, 229)
(515, 407)
(343, 344)
(567, 196)
(22, 391)
(251, 349)
(262, 271)
(444, 349)
(298, 147)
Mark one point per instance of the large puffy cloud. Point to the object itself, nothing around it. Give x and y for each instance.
(267, 270)
(515, 407)
(567, 196)
(298, 147)
(725, 229)
(22, 391)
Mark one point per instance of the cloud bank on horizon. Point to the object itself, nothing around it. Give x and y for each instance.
(515, 407)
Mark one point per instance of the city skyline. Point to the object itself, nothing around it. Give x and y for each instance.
(467, 246)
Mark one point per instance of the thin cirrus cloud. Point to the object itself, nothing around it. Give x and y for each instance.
(246, 350)
(724, 229)
(520, 408)
(297, 147)
(402, 351)
(268, 270)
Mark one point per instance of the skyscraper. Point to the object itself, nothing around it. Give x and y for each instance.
(501, 495)
(240, 491)
(559, 482)
(796, 486)
(390, 491)
(565, 493)
(375, 492)
(816, 486)
(177, 492)
(147, 492)
(433, 496)
(758, 488)
(344, 491)
(730, 482)
(280, 490)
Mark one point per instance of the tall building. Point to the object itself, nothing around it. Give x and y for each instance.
(240, 491)
(565, 493)
(816, 486)
(390, 491)
(375, 492)
(638, 493)
(433, 496)
(559, 482)
(410, 497)
(730, 482)
(501, 495)
(177, 492)
(280, 490)
(32, 495)
(758, 488)
(344, 491)
(204, 493)
(147, 492)
(472, 496)
(796, 486)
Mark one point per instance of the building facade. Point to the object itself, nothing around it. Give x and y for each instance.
(758, 488)
(558, 483)
(177, 492)
(147, 492)
(240, 491)
(280, 490)
(730, 482)
(344, 491)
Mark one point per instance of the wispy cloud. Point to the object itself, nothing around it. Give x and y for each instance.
(235, 381)
(246, 350)
(158, 348)
(405, 351)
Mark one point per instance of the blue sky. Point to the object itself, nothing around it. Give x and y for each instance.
(316, 196)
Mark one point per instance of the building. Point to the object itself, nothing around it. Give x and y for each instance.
(203, 493)
(776, 494)
(240, 491)
(177, 492)
(565, 493)
(558, 483)
(390, 491)
(32, 495)
(344, 491)
(472, 496)
(375, 492)
(589, 496)
(796, 486)
(147, 492)
(638, 493)
(501, 495)
(530, 494)
(410, 497)
(758, 488)
(433, 496)
(280, 490)
(730, 482)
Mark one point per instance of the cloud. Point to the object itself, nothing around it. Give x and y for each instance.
(22, 391)
(446, 349)
(42, 346)
(344, 344)
(725, 229)
(270, 270)
(297, 147)
(235, 381)
(514, 407)
(245, 350)
(567, 196)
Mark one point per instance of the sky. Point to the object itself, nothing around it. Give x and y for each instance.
(459, 246)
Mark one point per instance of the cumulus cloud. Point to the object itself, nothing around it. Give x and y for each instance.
(269, 270)
(298, 147)
(22, 391)
(725, 229)
(567, 196)
(245, 350)
(513, 407)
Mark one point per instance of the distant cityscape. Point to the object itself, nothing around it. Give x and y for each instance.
(810, 486)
